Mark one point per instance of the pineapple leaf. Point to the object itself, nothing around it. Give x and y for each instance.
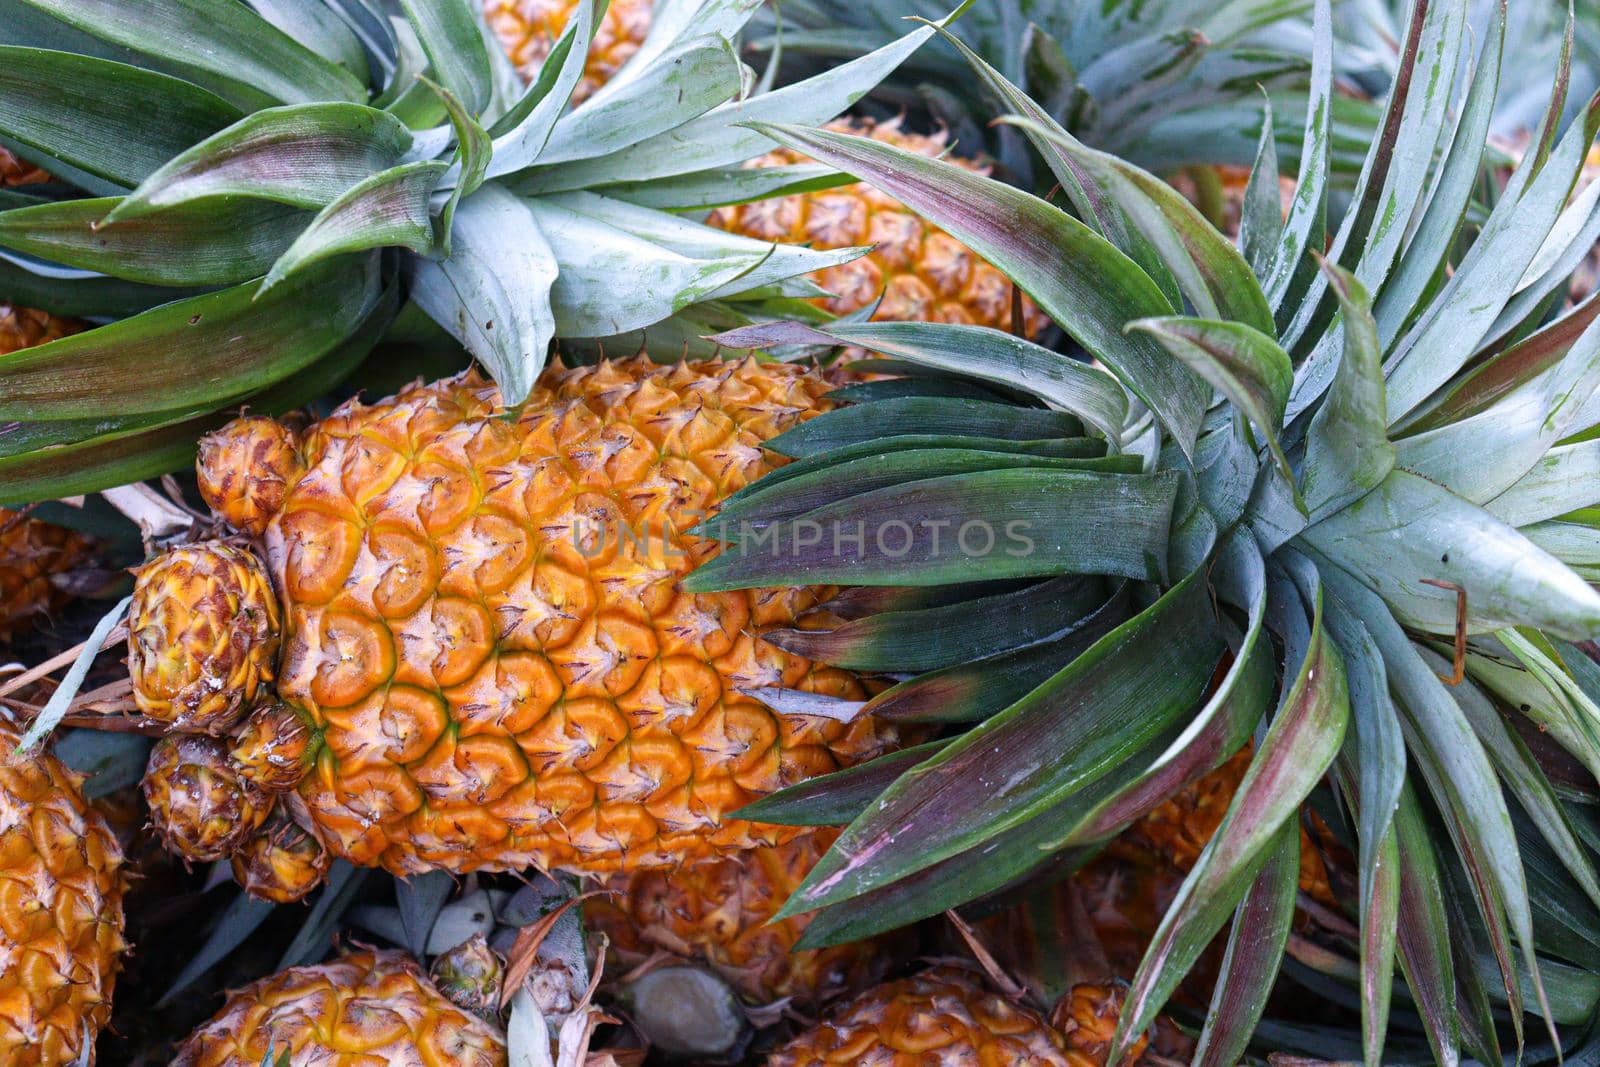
(387, 210)
(689, 80)
(917, 417)
(493, 293)
(223, 44)
(1255, 951)
(456, 50)
(522, 133)
(1565, 479)
(944, 636)
(838, 798)
(201, 243)
(474, 150)
(720, 137)
(1303, 230)
(717, 187)
(238, 921)
(1261, 211)
(1348, 453)
(1241, 363)
(1423, 935)
(111, 123)
(319, 27)
(976, 352)
(1063, 737)
(349, 141)
(1071, 272)
(1304, 738)
(223, 344)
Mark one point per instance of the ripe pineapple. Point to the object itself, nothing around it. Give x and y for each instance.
(720, 910)
(483, 626)
(528, 29)
(369, 1008)
(943, 1017)
(280, 862)
(922, 273)
(1087, 1019)
(200, 804)
(60, 912)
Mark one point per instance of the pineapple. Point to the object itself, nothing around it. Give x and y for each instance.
(922, 273)
(482, 627)
(219, 599)
(14, 171)
(280, 862)
(1346, 508)
(368, 1007)
(528, 29)
(942, 1017)
(200, 804)
(60, 912)
(720, 911)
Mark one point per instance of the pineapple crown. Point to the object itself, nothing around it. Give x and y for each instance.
(1164, 84)
(1342, 503)
(253, 190)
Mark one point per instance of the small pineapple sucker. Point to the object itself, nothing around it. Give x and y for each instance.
(274, 747)
(720, 911)
(203, 634)
(484, 623)
(944, 1015)
(61, 885)
(471, 976)
(528, 29)
(281, 862)
(1087, 1019)
(246, 468)
(922, 273)
(366, 1008)
(199, 803)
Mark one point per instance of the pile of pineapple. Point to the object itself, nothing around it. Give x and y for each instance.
(555, 532)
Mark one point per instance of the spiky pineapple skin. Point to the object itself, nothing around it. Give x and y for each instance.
(280, 862)
(528, 29)
(200, 804)
(1087, 1019)
(943, 1017)
(923, 274)
(720, 911)
(61, 889)
(367, 1008)
(482, 622)
(202, 635)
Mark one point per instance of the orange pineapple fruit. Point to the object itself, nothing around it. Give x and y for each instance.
(280, 862)
(199, 803)
(367, 1008)
(14, 171)
(61, 888)
(483, 627)
(943, 1017)
(528, 29)
(202, 635)
(922, 273)
(720, 911)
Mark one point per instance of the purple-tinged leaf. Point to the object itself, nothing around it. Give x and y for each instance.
(306, 156)
(920, 417)
(997, 524)
(1078, 278)
(838, 798)
(925, 640)
(1255, 950)
(1423, 932)
(1298, 748)
(1062, 738)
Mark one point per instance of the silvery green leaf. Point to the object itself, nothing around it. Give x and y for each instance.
(527, 1034)
(474, 150)
(672, 21)
(493, 293)
(720, 138)
(521, 133)
(319, 28)
(1487, 276)
(689, 80)
(459, 920)
(1484, 454)
(227, 47)
(717, 187)
(107, 761)
(389, 209)
(457, 54)
(1261, 211)
(349, 141)
(1408, 529)
(1521, 774)
(1565, 479)
(1571, 240)
(1347, 448)
(1525, 679)
(1308, 210)
(612, 281)
(420, 898)
(56, 707)
(1573, 543)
